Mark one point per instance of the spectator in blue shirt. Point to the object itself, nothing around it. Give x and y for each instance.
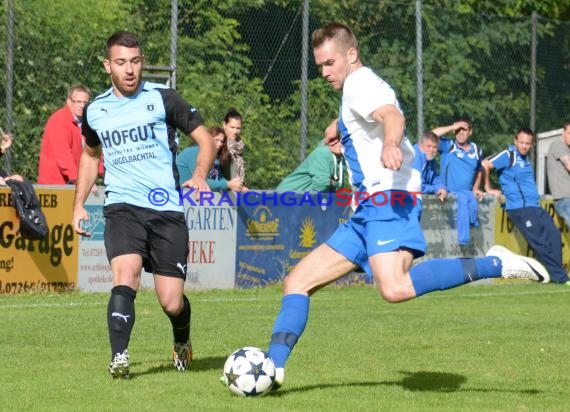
(516, 177)
(461, 173)
(460, 159)
(425, 163)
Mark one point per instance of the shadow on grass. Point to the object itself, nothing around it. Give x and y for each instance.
(198, 365)
(412, 381)
(209, 364)
(431, 381)
(165, 368)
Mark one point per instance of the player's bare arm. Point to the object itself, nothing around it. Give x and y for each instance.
(487, 167)
(205, 160)
(394, 125)
(86, 176)
(443, 130)
(479, 177)
(331, 133)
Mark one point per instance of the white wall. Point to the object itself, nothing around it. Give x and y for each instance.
(543, 143)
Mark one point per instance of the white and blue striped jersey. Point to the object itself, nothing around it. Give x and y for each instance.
(138, 135)
(362, 137)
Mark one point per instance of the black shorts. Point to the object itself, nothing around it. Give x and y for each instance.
(160, 237)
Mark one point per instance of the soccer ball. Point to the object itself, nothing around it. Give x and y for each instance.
(249, 371)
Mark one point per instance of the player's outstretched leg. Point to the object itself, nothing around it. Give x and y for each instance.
(442, 274)
(289, 326)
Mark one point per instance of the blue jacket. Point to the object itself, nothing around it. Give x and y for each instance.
(467, 215)
(458, 167)
(428, 169)
(516, 176)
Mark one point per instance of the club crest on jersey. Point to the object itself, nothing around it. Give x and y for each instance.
(150, 107)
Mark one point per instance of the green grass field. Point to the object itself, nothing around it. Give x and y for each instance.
(483, 348)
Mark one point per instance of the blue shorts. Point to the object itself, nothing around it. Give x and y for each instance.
(380, 228)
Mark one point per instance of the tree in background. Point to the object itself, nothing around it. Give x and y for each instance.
(247, 55)
(57, 44)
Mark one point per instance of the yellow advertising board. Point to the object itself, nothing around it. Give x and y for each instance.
(508, 235)
(49, 264)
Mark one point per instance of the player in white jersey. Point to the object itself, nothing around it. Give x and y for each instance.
(383, 235)
(134, 124)
(363, 136)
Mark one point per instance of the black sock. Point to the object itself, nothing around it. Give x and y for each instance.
(181, 322)
(120, 317)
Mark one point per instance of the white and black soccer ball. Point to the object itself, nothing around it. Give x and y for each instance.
(249, 371)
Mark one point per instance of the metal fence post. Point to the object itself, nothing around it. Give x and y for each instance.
(173, 41)
(9, 80)
(419, 70)
(533, 71)
(304, 77)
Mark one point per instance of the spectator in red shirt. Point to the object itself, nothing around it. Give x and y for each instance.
(62, 142)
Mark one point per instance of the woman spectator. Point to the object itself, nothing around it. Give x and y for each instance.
(232, 129)
(186, 163)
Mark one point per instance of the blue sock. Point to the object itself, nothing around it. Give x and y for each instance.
(489, 267)
(442, 274)
(288, 327)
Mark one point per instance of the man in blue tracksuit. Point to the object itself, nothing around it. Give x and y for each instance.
(460, 158)
(460, 172)
(425, 163)
(516, 176)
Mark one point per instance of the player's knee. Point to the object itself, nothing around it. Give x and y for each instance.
(294, 284)
(392, 293)
(289, 283)
(172, 307)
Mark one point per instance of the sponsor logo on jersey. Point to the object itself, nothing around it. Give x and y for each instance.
(111, 138)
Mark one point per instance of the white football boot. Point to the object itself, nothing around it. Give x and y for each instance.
(119, 366)
(517, 266)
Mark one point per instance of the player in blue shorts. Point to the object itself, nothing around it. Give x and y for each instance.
(134, 124)
(383, 236)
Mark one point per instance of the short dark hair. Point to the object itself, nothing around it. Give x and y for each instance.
(525, 130)
(466, 120)
(123, 38)
(566, 123)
